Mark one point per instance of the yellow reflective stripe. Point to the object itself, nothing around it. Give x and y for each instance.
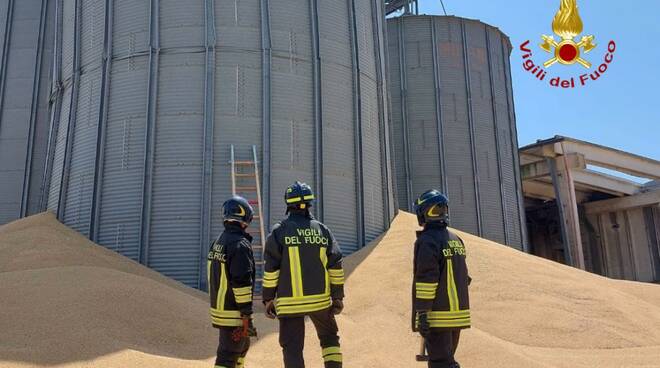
(323, 255)
(305, 308)
(303, 299)
(226, 314)
(452, 294)
(226, 318)
(240, 362)
(271, 279)
(425, 296)
(296, 278)
(332, 354)
(308, 197)
(448, 324)
(336, 273)
(337, 276)
(222, 290)
(426, 286)
(294, 200)
(208, 275)
(448, 314)
(243, 298)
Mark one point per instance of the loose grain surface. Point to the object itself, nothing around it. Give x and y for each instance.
(67, 302)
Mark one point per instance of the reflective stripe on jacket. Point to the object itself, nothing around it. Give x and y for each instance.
(303, 270)
(231, 274)
(441, 279)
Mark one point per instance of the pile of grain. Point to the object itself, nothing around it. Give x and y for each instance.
(66, 302)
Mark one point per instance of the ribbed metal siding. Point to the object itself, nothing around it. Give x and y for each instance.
(453, 121)
(26, 39)
(302, 80)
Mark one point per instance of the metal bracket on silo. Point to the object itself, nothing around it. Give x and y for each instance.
(475, 169)
(209, 121)
(154, 53)
(438, 108)
(103, 120)
(73, 107)
(378, 37)
(357, 105)
(55, 105)
(36, 84)
(513, 132)
(266, 58)
(318, 112)
(404, 112)
(505, 218)
(5, 52)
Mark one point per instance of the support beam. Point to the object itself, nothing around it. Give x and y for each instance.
(624, 203)
(541, 169)
(567, 201)
(605, 183)
(545, 191)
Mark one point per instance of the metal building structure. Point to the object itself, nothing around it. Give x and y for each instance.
(453, 122)
(26, 37)
(590, 219)
(150, 95)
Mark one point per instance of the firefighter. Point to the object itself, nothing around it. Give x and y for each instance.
(441, 306)
(231, 275)
(304, 277)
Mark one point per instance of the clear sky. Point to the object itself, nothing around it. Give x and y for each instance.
(621, 109)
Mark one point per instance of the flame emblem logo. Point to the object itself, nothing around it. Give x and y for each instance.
(567, 24)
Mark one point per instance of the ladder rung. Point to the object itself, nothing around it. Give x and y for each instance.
(242, 175)
(243, 162)
(251, 189)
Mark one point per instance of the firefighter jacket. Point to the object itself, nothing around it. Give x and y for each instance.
(441, 279)
(231, 275)
(303, 270)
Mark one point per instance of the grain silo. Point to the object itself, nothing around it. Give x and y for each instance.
(155, 94)
(453, 121)
(26, 37)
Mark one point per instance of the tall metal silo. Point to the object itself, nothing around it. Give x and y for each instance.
(26, 37)
(156, 92)
(453, 121)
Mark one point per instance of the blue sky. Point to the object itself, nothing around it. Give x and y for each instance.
(621, 109)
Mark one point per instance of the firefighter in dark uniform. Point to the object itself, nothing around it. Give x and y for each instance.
(304, 277)
(231, 275)
(440, 292)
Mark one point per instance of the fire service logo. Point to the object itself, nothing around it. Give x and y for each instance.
(569, 50)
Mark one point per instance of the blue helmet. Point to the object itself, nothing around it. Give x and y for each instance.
(238, 209)
(432, 207)
(299, 195)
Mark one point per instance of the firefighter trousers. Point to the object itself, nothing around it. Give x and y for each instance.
(441, 346)
(292, 339)
(231, 353)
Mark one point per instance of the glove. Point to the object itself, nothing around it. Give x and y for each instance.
(248, 327)
(423, 323)
(270, 309)
(337, 306)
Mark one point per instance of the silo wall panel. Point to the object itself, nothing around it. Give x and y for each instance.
(23, 133)
(490, 195)
(458, 142)
(292, 138)
(338, 123)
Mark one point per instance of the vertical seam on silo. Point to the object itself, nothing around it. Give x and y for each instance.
(5, 44)
(36, 84)
(475, 169)
(382, 128)
(404, 111)
(103, 120)
(73, 107)
(389, 132)
(266, 109)
(505, 220)
(150, 132)
(55, 111)
(631, 250)
(209, 121)
(513, 135)
(357, 103)
(318, 112)
(438, 108)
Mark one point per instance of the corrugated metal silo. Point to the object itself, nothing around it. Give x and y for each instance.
(156, 92)
(453, 121)
(26, 37)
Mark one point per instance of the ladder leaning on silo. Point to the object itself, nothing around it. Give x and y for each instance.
(245, 182)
